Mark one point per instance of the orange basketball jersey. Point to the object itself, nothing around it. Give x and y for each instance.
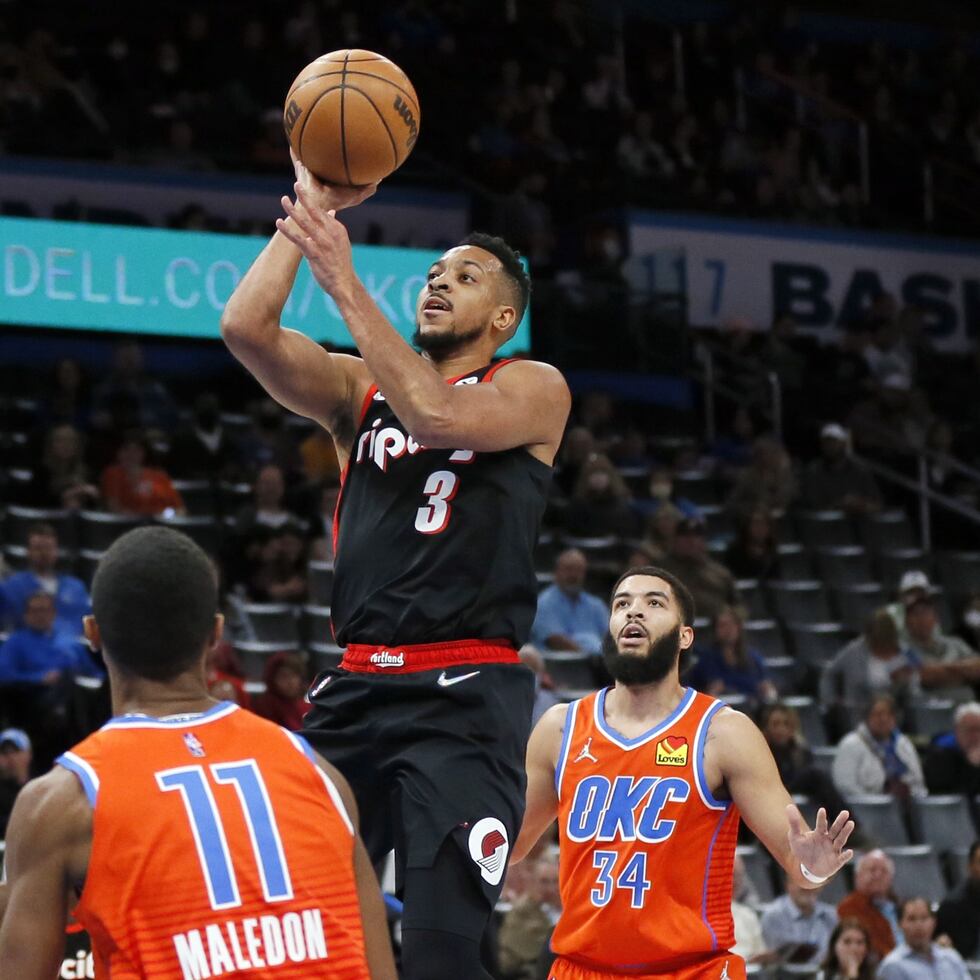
(646, 850)
(219, 848)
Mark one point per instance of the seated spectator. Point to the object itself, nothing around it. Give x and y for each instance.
(203, 449)
(729, 665)
(780, 725)
(267, 508)
(661, 494)
(711, 584)
(283, 700)
(836, 480)
(893, 420)
(958, 919)
(279, 573)
(767, 483)
(544, 686)
(153, 405)
(66, 400)
(600, 503)
(913, 585)
(753, 553)
(527, 926)
(947, 665)
(70, 596)
(268, 441)
(798, 926)
(917, 956)
(953, 760)
(874, 663)
(849, 955)
(62, 478)
(321, 526)
(873, 903)
(15, 770)
(568, 617)
(130, 487)
(877, 758)
(659, 534)
(749, 943)
(577, 447)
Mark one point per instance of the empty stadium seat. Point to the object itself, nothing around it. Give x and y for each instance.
(198, 495)
(800, 601)
(758, 867)
(783, 672)
(932, 716)
(811, 724)
(844, 565)
(270, 622)
(316, 624)
(204, 530)
(823, 757)
(323, 656)
(718, 522)
(816, 643)
(959, 572)
(15, 556)
(766, 636)
(569, 669)
(880, 818)
(794, 561)
(958, 863)
(98, 529)
(604, 549)
(917, 872)
(699, 487)
(887, 529)
(894, 562)
(544, 579)
(19, 519)
(752, 598)
(824, 528)
(944, 822)
(320, 582)
(856, 603)
(231, 496)
(254, 654)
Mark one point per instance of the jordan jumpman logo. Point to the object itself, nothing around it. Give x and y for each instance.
(586, 753)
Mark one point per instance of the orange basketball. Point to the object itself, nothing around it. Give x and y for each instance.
(352, 117)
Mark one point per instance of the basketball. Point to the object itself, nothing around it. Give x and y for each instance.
(352, 117)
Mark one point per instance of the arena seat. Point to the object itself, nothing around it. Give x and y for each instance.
(85, 564)
(752, 598)
(569, 669)
(943, 822)
(323, 656)
(231, 496)
(766, 636)
(319, 577)
(823, 757)
(794, 561)
(15, 556)
(270, 622)
(800, 601)
(959, 571)
(855, 603)
(758, 867)
(880, 818)
(932, 716)
(783, 672)
(697, 486)
(198, 496)
(811, 724)
(817, 643)
(917, 872)
(98, 529)
(844, 564)
(824, 528)
(253, 655)
(316, 623)
(19, 519)
(957, 864)
(887, 529)
(894, 562)
(205, 531)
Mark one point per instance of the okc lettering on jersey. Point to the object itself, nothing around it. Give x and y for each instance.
(249, 944)
(380, 445)
(626, 808)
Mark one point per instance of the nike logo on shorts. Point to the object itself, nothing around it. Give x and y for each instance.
(445, 681)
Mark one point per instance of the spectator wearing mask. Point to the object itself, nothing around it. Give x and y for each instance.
(754, 553)
(958, 919)
(600, 504)
(849, 955)
(283, 700)
(729, 665)
(874, 663)
(837, 481)
(63, 480)
(710, 583)
(203, 449)
(873, 903)
(877, 758)
(767, 483)
(917, 957)
(662, 494)
(568, 617)
(527, 926)
(131, 487)
(953, 760)
(798, 926)
(947, 664)
(15, 770)
(71, 598)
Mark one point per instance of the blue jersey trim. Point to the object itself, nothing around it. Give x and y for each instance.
(629, 743)
(220, 710)
(566, 740)
(86, 775)
(704, 890)
(700, 738)
(302, 745)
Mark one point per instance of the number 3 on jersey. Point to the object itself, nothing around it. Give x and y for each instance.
(433, 516)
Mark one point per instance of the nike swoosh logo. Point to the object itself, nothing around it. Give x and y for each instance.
(445, 681)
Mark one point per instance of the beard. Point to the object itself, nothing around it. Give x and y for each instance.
(632, 669)
(441, 345)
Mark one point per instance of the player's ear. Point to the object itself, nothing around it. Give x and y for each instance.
(92, 634)
(687, 637)
(505, 319)
(218, 631)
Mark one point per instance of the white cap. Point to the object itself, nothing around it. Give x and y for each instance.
(833, 431)
(898, 382)
(914, 580)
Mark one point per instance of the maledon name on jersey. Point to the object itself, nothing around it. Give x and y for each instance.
(646, 850)
(434, 545)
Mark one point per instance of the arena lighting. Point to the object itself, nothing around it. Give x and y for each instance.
(154, 281)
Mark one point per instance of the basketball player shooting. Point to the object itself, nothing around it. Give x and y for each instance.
(197, 839)
(446, 461)
(648, 780)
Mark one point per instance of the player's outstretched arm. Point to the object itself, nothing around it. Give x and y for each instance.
(542, 797)
(377, 943)
(48, 840)
(739, 751)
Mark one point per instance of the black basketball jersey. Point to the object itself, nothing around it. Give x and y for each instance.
(434, 544)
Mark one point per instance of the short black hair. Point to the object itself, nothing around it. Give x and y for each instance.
(154, 598)
(681, 592)
(513, 268)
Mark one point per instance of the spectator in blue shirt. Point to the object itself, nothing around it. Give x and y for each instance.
(919, 958)
(70, 596)
(798, 926)
(569, 618)
(729, 665)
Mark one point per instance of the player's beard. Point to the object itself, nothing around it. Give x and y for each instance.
(633, 669)
(440, 345)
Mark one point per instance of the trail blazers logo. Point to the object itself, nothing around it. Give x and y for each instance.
(672, 751)
(488, 848)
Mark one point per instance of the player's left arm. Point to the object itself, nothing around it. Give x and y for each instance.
(542, 796)
(377, 943)
(737, 750)
(48, 840)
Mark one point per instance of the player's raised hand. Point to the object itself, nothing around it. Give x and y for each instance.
(822, 850)
(320, 196)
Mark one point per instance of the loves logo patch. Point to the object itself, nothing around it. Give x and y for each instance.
(488, 847)
(672, 751)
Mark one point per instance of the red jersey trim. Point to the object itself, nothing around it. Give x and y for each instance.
(496, 367)
(366, 658)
